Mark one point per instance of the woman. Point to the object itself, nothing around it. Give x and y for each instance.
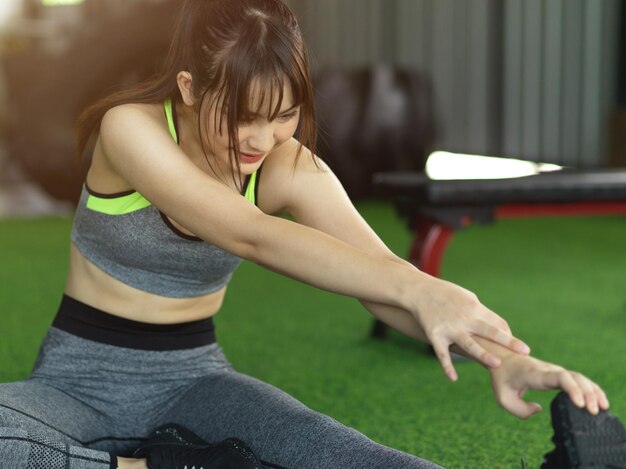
(186, 174)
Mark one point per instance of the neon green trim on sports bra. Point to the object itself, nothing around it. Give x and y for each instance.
(118, 205)
(170, 119)
(250, 189)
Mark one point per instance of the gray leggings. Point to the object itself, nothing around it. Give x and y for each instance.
(86, 401)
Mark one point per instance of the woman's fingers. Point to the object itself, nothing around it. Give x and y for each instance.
(561, 378)
(583, 392)
(469, 345)
(443, 355)
(594, 396)
(488, 331)
(519, 373)
(493, 318)
(589, 394)
(510, 400)
(604, 402)
(477, 351)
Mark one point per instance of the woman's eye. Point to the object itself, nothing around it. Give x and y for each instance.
(288, 117)
(247, 120)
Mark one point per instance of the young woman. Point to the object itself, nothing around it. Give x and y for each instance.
(187, 173)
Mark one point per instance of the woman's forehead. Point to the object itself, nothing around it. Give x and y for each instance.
(258, 99)
(263, 98)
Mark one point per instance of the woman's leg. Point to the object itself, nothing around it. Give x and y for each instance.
(44, 428)
(64, 416)
(281, 431)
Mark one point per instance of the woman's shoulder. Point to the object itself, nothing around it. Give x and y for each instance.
(131, 119)
(103, 177)
(134, 122)
(135, 112)
(282, 173)
(293, 156)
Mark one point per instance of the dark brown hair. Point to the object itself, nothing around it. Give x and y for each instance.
(226, 45)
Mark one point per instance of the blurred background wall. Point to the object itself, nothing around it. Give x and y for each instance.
(534, 79)
(542, 80)
(58, 56)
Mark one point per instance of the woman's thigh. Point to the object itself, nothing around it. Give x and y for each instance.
(280, 430)
(44, 410)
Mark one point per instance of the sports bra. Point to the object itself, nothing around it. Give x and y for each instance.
(130, 239)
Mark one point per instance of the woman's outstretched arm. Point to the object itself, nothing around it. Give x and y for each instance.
(141, 151)
(314, 196)
(331, 211)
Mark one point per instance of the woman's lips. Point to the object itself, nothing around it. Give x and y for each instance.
(246, 158)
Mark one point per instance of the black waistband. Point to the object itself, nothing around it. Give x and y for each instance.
(91, 323)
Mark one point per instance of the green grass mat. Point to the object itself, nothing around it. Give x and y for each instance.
(561, 284)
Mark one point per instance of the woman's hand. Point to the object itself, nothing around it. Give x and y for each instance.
(450, 314)
(518, 373)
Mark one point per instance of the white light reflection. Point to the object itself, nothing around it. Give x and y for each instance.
(443, 165)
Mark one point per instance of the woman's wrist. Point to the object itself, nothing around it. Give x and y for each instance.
(415, 288)
(504, 354)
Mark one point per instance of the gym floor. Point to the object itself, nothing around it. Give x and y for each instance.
(559, 282)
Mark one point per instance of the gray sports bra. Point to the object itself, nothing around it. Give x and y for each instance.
(133, 241)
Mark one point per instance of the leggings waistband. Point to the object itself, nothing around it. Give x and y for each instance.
(90, 323)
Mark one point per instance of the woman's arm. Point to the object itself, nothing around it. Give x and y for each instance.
(142, 152)
(516, 374)
(324, 204)
(315, 198)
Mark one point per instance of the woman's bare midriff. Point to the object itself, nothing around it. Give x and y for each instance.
(89, 284)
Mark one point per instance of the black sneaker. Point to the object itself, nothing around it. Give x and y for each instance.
(583, 440)
(174, 447)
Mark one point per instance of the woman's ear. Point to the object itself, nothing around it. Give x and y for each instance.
(185, 85)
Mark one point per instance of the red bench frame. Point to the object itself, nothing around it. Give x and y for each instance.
(432, 236)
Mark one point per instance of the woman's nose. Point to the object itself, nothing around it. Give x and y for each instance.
(262, 138)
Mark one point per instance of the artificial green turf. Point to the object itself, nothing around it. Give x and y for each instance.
(561, 284)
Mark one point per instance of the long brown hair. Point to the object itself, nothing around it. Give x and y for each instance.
(226, 45)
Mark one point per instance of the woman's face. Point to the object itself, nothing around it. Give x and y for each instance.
(258, 136)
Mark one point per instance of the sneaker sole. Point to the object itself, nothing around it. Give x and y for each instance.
(589, 441)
